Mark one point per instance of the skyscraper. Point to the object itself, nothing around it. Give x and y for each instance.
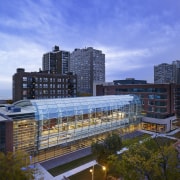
(163, 73)
(56, 61)
(176, 71)
(167, 73)
(89, 66)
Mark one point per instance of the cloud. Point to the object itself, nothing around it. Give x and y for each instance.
(134, 36)
(16, 52)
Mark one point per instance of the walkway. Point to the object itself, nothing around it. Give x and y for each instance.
(45, 175)
(66, 158)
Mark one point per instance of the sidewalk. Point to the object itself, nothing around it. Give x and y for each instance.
(45, 175)
(75, 170)
(57, 161)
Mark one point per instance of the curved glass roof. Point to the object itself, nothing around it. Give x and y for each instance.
(54, 108)
(22, 103)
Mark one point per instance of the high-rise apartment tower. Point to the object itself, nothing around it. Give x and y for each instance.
(56, 61)
(89, 66)
(167, 73)
(163, 73)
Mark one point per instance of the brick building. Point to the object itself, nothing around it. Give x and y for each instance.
(159, 102)
(43, 85)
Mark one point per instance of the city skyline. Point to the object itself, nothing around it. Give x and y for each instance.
(134, 35)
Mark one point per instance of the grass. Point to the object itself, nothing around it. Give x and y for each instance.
(165, 141)
(177, 135)
(71, 165)
(99, 174)
(129, 142)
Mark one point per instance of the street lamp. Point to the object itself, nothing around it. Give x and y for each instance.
(92, 170)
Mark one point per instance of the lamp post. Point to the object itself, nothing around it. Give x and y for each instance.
(92, 170)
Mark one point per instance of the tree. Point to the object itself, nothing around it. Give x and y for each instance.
(99, 152)
(108, 148)
(112, 143)
(113, 165)
(15, 166)
(150, 160)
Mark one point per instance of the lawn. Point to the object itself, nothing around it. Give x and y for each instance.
(99, 174)
(165, 141)
(71, 165)
(177, 135)
(129, 142)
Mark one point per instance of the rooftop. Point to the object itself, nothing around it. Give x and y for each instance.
(63, 107)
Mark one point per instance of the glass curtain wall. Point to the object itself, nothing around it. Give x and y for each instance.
(62, 121)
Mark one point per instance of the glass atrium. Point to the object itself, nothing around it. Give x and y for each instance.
(63, 122)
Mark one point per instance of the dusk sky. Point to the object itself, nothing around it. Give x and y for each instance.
(135, 35)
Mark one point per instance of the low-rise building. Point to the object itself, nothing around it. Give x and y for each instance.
(43, 85)
(159, 102)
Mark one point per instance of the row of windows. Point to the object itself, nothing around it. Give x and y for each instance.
(40, 92)
(157, 110)
(157, 103)
(47, 85)
(160, 90)
(157, 115)
(157, 96)
(45, 79)
(50, 96)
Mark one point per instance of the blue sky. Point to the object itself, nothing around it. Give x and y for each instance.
(135, 35)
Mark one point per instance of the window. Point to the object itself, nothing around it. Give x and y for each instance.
(45, 79)
(151, 96)
(24, 78)
(59, 80)
(24, 92)
(45, 91)
(161, 90)
(142, 102)
(151, 109)
(58, 85)
(45, 85)
(24, 85)
(151, 103)
(160, 103)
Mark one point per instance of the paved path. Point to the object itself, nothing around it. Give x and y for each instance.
(45, 175)
(66, 158)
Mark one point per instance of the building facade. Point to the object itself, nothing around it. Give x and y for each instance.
(129, 81)
(167, 73)
(158, 102)
(163, 73)
(6, 131)
(89, 65)
(52, 127)
(56, 61)
(176, 70)
(43, 85)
